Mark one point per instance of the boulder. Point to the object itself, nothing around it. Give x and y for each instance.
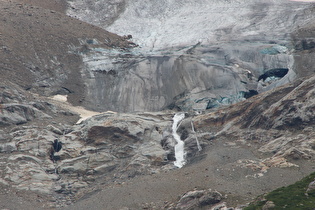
(198, 199)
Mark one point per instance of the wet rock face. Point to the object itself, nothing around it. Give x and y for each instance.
(98, 135)
(41, 151)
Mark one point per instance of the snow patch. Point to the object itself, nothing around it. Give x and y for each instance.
(61, 101)
(61, 98)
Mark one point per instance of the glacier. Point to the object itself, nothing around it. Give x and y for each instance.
(214, 49)
(164, 24)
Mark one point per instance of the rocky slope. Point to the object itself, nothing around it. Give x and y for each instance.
(114, 159)
(241, 158)
(108, 154)
(45, 46)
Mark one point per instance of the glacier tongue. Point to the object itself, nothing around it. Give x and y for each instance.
(179, 147)
(214, 49)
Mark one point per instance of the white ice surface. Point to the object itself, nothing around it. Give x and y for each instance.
(162, 24)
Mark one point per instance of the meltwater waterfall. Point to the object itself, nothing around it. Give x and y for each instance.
(179, 147)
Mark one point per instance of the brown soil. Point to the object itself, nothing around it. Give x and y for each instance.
(13, 199)
(39, 47)
(56, 5)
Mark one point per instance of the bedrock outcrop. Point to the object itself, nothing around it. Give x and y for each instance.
(240, 156)
(112, 149)
(280, 122)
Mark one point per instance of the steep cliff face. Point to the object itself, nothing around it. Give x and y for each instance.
(196, 78)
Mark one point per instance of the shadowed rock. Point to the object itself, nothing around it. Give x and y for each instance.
(280, 72)
(57, 145)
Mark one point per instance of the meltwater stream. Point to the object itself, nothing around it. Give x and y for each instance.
(179, 147)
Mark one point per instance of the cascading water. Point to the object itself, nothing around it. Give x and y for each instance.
(179, 147)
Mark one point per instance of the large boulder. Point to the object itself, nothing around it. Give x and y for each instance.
(198, 199)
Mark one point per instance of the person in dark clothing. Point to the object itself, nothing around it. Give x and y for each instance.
(57, 145)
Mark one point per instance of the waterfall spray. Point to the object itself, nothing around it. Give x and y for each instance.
(179, 147)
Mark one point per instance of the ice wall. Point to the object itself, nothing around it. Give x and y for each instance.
(192, 54)
(197, 78)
